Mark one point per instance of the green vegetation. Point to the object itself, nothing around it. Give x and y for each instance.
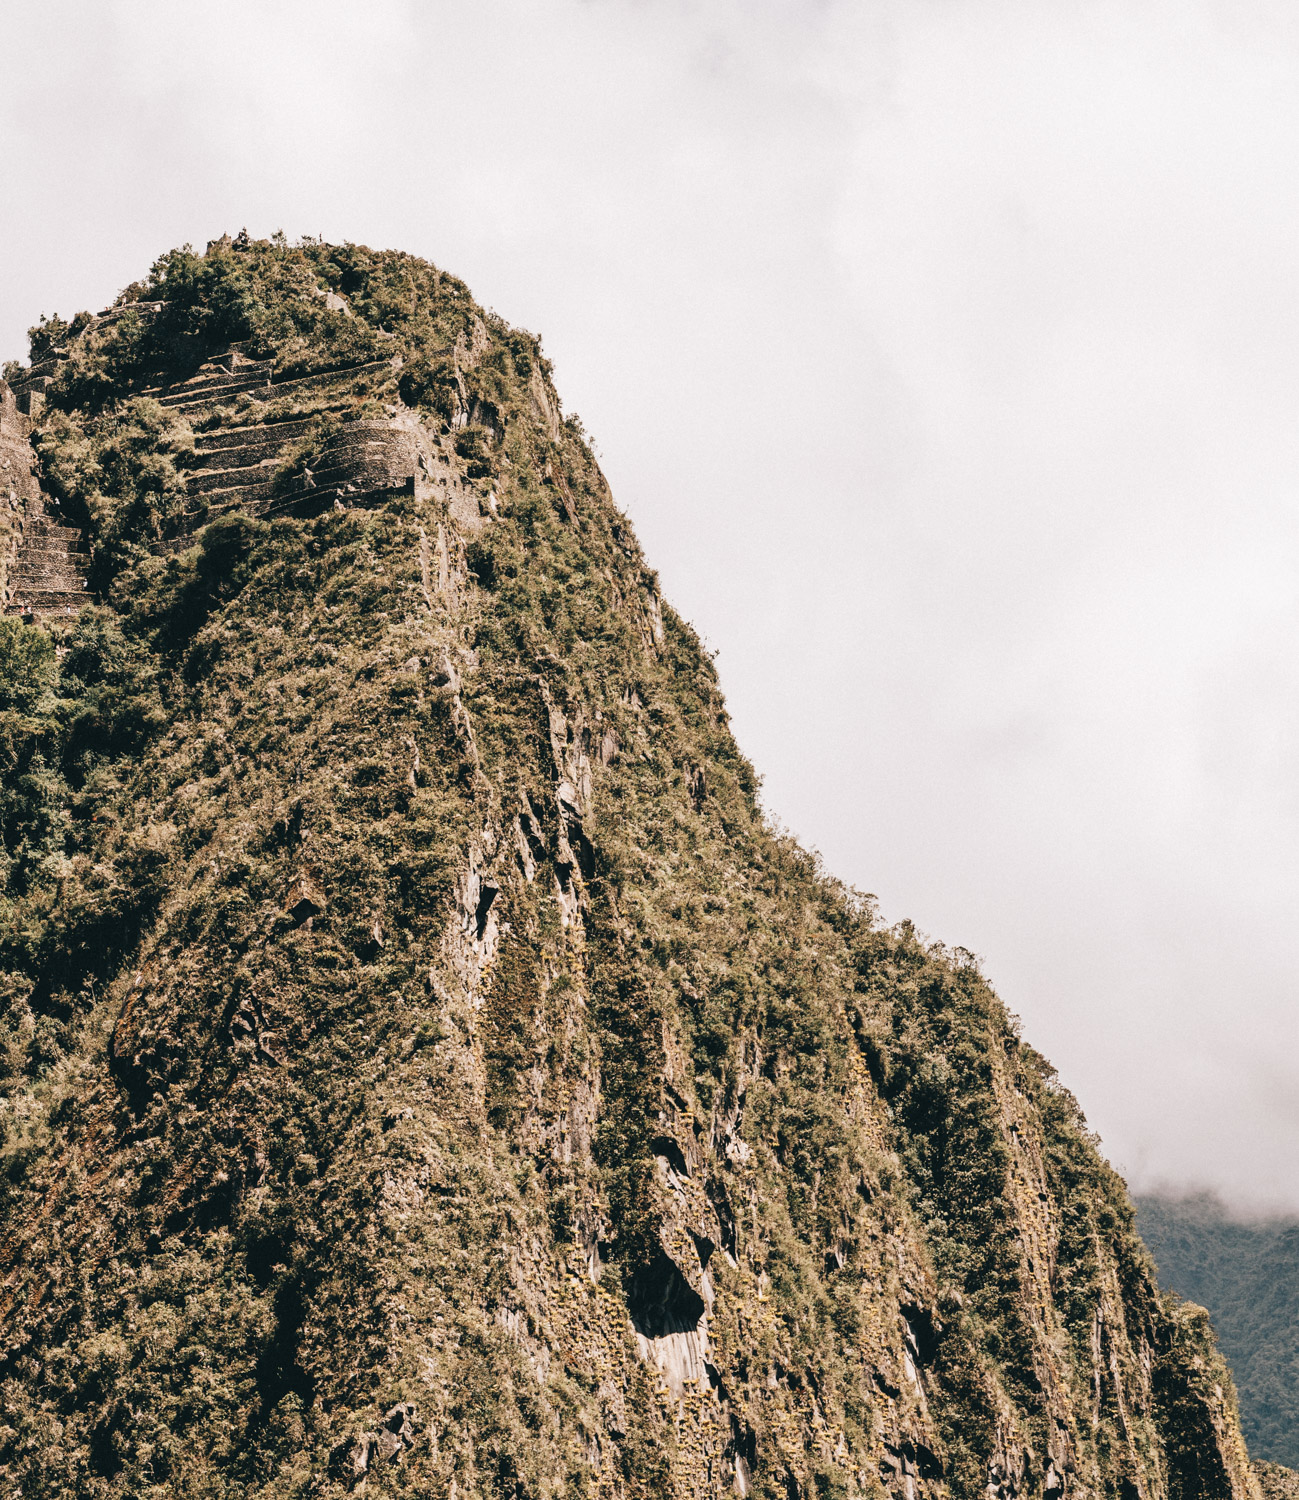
(423, 1065)
(1277, 1482)
(1246, 1272)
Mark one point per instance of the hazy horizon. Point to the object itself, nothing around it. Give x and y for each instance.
(944, 357)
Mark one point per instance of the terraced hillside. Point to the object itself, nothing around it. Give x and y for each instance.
(424, 1070)
(241, 440)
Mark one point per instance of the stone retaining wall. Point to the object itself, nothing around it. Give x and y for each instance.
(232, 468)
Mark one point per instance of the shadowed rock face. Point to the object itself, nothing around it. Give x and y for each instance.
(425, 1071)
(18, 482)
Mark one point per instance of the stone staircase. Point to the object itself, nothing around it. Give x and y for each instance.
(44, 561)
(226, 376)
(48, 574)
(235, 468)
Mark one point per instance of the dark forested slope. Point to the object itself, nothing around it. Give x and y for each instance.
(423, 1068)
(1246, 1272)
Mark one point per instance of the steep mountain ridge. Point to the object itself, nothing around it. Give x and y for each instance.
(424, 1069)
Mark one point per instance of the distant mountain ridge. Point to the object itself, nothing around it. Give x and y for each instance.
(1246, 1272)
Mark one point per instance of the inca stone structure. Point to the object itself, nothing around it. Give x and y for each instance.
(237, 463)
(44, 560)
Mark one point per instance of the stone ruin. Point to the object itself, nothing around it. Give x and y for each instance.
(240, 462)
(43, 561)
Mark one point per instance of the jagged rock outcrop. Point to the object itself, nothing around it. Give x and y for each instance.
(425, 1071)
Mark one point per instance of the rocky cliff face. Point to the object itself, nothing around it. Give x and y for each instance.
(19, 488)
(424, 1070)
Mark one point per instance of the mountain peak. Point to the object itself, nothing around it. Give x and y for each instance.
(425, 1069)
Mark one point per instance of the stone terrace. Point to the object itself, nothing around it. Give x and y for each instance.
(48, 575)
(239, 463)
(245, 465)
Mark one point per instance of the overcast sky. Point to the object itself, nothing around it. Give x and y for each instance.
(945, 354)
